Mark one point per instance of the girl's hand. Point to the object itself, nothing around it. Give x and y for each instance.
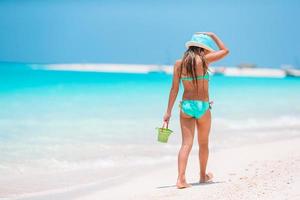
(167, 117)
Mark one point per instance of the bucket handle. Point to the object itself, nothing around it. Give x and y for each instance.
(167, 124)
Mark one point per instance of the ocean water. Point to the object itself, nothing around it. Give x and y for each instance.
(99, 125)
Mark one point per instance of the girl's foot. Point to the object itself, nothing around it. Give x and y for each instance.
(208, 178)
(182, 184)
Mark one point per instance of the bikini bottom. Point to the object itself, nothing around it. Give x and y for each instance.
(194, 108)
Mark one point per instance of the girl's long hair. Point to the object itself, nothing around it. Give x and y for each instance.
(189, 62)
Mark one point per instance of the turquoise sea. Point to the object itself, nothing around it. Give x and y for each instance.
(92, 124)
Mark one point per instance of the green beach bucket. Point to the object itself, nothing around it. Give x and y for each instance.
(163, 133)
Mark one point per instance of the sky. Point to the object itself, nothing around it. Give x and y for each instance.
(265, 33)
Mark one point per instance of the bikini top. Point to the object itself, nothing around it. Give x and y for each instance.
(206, 76)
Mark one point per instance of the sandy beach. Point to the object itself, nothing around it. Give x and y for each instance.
(261, 171)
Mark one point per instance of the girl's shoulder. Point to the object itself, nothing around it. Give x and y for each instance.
(178, 62)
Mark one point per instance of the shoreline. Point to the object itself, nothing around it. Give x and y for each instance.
(249, 176)
(263, 72)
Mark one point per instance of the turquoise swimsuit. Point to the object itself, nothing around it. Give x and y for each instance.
(206, 76)
(194, 108)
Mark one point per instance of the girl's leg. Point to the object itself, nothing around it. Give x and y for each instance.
(203, 128)
(187, 129)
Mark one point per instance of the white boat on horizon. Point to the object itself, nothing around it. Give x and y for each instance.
(293, 72)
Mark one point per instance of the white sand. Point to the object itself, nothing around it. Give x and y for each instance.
(261, 171)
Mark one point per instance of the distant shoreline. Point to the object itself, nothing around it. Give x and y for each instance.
(167, 69)
(230, 71)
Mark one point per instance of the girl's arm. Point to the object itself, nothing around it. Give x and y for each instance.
(216, 55)
(173, 92)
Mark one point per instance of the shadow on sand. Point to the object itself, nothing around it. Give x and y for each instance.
(193, 184)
